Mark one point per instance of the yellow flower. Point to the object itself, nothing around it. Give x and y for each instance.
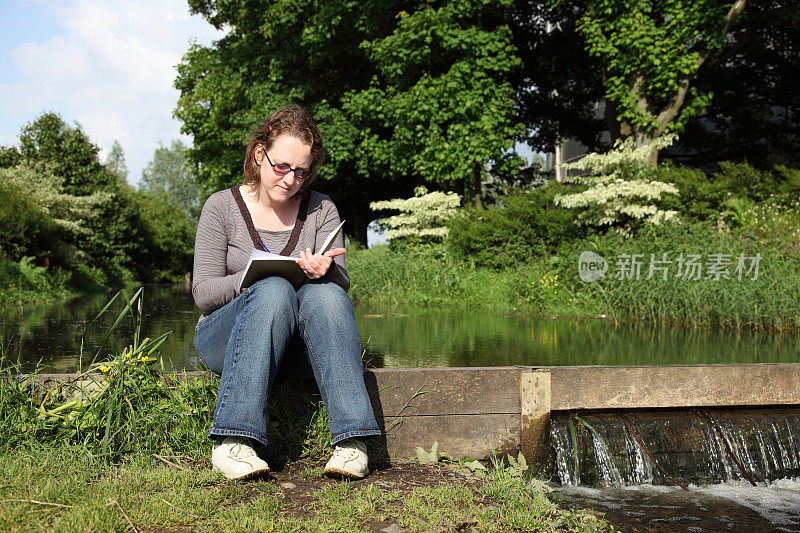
(145, 358)
(105, 368)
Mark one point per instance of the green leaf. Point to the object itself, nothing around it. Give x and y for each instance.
(428, 458)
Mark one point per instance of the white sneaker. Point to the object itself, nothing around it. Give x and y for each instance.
(349, 460)
(237, 459)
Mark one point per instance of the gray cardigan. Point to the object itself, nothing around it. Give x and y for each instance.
(222, 246)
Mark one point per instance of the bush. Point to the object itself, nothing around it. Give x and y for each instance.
(24, 226)
(529, 225)
(422, 218)
(620, 190)
(164, 248)
(704, 197)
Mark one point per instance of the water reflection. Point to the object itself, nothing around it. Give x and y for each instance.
(478, 338)
(50, 335)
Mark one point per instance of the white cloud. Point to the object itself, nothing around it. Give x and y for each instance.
(111, 69)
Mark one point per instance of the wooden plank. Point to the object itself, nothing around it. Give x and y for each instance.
(459, 435)
(674, 386)
(444, 390)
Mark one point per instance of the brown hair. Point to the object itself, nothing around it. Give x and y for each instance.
(291, 120)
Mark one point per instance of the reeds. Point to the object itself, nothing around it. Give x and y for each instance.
(125, 403)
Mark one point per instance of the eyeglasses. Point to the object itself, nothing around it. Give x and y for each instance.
(282, 169)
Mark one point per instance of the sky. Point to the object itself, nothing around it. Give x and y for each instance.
(108, 65)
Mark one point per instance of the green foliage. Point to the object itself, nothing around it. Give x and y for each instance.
(24, 281)
(224, 88)
(99, 414)
(81, 218)
(517, 467)
(163, 237)
(24, 225)
(68, 151)
(621, 193)
(169, 175)
(433, 277)
(67, 211)
(9, 156)
(528, 225)
(138, 235)
(422, 218)
(403, 93)
(767, 303)
(115, 162)
(439, 106)
(706, 196)
(651, 52)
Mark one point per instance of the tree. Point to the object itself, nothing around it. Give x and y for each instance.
(115, 162)
(755, 112)
(559, 82)
(443, 104)
(163, 239)
(67, 151)
(276, 53)
(9, 156)
(67, 212)
(169, 175)
(651, 52)
(24, 225)
(339, 60)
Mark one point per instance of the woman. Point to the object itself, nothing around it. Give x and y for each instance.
(244, 336)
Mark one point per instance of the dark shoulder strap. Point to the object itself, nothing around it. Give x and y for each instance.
(302, 213)
(237, 195)
(298, 225)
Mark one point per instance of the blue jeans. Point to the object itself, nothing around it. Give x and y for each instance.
(245, 341)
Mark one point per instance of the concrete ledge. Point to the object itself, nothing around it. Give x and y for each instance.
(647, 387)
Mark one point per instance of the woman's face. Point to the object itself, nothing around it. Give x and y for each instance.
(285, 150)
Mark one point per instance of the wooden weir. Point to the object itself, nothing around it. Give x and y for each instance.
(472, 411)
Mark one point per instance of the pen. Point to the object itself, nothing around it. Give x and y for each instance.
(263, 247)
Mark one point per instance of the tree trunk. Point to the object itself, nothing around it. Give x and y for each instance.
(476, 182)
(644, 138)
(663, 117)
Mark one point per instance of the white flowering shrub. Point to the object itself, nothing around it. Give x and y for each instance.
(66, 210)
(424, 216)
(619, 193)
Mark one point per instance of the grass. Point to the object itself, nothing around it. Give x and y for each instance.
(429, 276)
(65, 489)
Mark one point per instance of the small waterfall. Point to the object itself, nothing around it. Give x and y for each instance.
(698, 446)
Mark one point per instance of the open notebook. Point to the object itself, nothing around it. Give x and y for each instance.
(264, 264)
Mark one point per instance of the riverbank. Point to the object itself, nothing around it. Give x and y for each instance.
(130, 451)
(690, 274)
(23, 282)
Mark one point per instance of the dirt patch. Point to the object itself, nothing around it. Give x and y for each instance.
(402, 475)
(435, 498)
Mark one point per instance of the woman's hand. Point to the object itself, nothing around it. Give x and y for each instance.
(315, 265)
